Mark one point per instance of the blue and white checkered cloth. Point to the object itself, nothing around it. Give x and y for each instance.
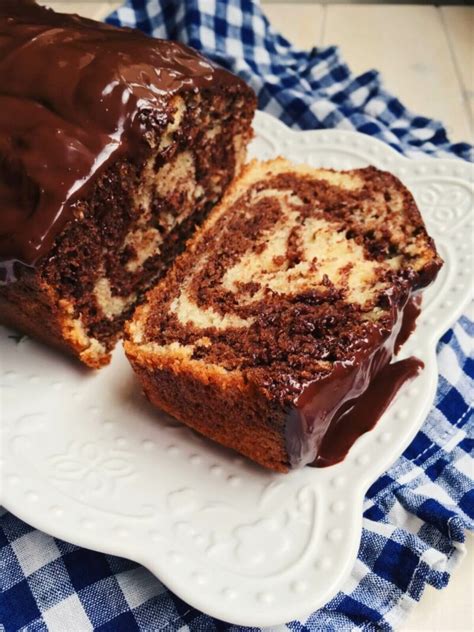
(415, 515)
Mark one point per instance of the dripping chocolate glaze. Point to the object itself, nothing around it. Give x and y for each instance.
(331, 413)
(411, 312)
(71, 94)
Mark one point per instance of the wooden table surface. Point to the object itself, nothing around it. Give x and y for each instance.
(426, 57)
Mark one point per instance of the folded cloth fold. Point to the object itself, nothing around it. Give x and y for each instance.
(416, 514)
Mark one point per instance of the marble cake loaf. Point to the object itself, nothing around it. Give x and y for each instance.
(272, 334)
(113, 146)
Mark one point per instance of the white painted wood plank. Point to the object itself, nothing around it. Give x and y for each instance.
(114, 4)
(301, 24)
(459, 22)
(87, 8)
(408, 44)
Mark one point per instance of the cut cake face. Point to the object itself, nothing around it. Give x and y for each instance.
(284, 308)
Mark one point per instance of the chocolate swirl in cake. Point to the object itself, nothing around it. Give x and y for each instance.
(284, 310)
(74, 95)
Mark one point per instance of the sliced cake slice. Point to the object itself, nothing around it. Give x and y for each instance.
(283, 310)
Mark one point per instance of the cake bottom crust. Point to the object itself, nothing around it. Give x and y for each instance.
(48, 319)
(229, 411)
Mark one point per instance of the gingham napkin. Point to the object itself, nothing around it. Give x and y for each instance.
(415, 515)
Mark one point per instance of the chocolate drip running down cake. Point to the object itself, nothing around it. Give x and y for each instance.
(113, 146)
(284, 312)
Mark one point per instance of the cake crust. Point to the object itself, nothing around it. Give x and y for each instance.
(284, 308)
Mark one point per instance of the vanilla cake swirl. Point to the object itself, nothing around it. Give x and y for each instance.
(284, 309)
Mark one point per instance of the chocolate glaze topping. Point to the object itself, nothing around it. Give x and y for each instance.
(410, 314)
(366, 411)
(74, 95)
(332, 412)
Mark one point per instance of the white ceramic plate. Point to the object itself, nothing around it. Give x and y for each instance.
(86, 459)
